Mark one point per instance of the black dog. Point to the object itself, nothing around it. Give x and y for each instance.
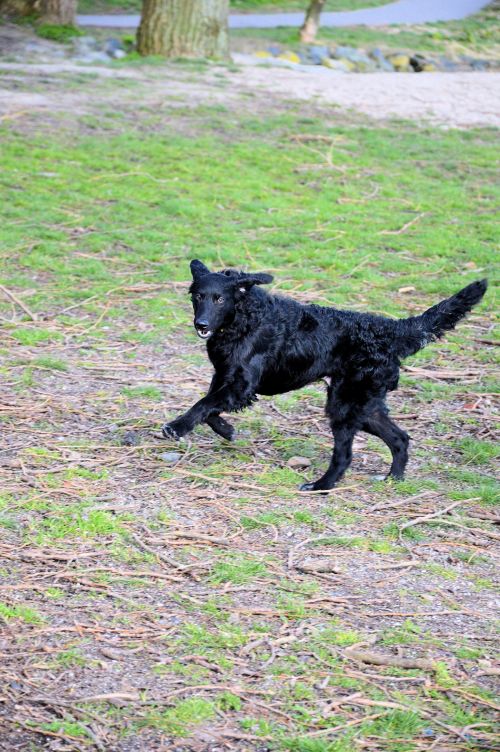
(262, 344)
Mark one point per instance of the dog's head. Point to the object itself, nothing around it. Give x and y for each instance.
(215, 296)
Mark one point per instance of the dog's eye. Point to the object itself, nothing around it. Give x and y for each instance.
(219, 299)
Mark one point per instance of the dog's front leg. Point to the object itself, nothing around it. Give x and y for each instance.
(237, 392)
(219, 425)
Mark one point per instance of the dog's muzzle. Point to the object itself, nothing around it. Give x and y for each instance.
(203, 332)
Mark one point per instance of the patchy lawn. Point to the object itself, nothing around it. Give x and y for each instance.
(187, 597)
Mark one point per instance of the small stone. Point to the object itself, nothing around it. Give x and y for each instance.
(317, 53)
(112, 45)
(342, 66)
(378, 477)
(298, 462)
(274, 50)
(318, 565)
(357, 58)
(400, 62)
(446, 64)
(381, 60)
(340, 52)
(170, 456)
(419, 63)
(119, 54)
(131, 438)
(428, 732)
(480, 65)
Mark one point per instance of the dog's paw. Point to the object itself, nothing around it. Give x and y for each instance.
(226, 430)
(170, 432)
(313, 486)
(307, 487)
(221, 427)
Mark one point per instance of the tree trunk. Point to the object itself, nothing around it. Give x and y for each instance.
(310, 26)
(13, 8)
(184, 28)
(58, 12)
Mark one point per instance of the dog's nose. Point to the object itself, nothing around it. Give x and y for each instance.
(201, 323)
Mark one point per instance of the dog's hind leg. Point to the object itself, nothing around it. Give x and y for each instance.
(345, 421)
(379, 424)
(341, 458)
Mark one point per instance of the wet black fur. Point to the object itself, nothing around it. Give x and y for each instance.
(265, 344)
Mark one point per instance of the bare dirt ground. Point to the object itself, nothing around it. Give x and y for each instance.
(466, 99)
(144, 616)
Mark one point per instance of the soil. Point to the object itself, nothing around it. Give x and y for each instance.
(462, 99)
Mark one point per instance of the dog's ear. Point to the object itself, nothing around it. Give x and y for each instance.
(246, 281)
(198, 269)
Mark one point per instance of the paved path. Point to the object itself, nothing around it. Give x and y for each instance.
(400, 12)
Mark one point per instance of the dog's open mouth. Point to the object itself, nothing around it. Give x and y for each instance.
(203, 332)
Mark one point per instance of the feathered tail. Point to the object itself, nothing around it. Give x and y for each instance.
(417, 331)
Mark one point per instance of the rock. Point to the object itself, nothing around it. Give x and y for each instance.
(337, 65)
(317, 53)
(112, 45)
(274, 50)
(400, 61)
(298, 462)
(358, 58)
(119, 54)
(131, 438)
(480, 65)
(446, 64)
(318, 565)
(419, 63)
(291, 57)
(381, 60)
(340, 52)
(347, 64)
(170, 456)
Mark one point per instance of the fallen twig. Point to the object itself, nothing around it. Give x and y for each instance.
(19, 302)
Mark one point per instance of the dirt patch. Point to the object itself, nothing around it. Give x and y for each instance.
(462, 100)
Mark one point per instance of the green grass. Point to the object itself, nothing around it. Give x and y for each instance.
(238, 570)
(476, 452)
(303, 229)
(24, 613)
(58, 33)
(76, 521)
(184, 715)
